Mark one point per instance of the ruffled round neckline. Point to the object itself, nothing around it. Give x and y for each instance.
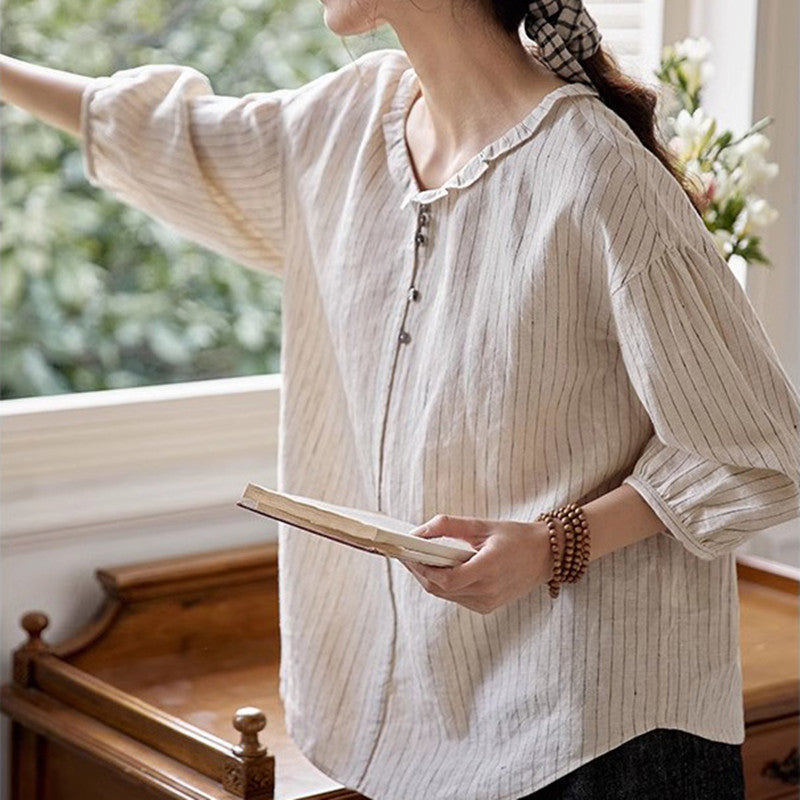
(399, 159)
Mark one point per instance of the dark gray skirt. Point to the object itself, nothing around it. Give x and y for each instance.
(662, 764)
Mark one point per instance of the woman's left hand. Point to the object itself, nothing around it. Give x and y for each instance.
(512, 558)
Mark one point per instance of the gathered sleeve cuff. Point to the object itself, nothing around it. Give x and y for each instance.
(209, 166)
(724, 459)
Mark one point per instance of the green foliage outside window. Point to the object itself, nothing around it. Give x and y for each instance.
(94, 294)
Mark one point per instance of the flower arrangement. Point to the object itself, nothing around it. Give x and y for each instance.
(727, 170)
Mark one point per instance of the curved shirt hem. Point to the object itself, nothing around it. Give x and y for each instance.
(377, 790)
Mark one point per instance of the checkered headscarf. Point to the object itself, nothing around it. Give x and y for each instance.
(566, 35)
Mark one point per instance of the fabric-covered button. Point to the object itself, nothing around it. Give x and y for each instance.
(413, 293)
(420, 238)
(405, 337)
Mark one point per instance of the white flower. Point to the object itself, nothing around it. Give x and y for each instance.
(755, 170)
(757, 213)
(695, 74)
(691, 132)
(754, 146)
(760, 213)
(746, 163)
(742, 224)
(694, 49)
(696, 70)
(725, 241)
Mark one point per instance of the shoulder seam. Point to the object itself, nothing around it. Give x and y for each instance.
(665, 243)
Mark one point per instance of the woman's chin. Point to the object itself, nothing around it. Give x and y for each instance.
(345, 25)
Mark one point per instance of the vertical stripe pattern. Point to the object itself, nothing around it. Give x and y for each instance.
(572, 328)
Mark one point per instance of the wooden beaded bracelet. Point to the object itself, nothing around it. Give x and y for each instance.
(572, 516)
(570, 565)
(576, 514)
(549, 519)
(558, 563)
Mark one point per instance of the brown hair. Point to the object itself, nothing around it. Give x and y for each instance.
(630, 99)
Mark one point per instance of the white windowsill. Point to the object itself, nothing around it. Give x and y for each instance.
(87, 464)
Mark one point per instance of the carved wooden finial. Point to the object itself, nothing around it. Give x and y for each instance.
(249, 721)
(34, 622)
(252, 775)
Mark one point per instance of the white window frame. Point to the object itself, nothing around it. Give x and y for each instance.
(93, 464)
(664, 21)
(668, 22)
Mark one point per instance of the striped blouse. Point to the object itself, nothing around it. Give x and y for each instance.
(552, 321)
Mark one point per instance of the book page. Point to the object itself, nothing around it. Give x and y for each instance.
(367, 517)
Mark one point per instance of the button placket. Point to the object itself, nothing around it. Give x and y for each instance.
(420, 240)
(413, 295)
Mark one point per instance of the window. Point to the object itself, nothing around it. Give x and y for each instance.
(632, 31)
(95, 295)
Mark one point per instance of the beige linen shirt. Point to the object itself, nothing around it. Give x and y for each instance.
(552, 321)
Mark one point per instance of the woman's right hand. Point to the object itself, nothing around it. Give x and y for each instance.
(51, 95)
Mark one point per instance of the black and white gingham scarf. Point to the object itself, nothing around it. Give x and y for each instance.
(565, 34)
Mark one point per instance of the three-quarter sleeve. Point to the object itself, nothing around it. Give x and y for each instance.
(724, 459)
(210, 166)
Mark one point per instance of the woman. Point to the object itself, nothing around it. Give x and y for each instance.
(499, 299)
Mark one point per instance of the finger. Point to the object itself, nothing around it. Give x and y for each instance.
(469, 529)
(478, 601)
(462, 577)
(445, 578)
(419, 571)
(444, 524)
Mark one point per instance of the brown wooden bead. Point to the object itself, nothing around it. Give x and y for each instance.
(553, 583)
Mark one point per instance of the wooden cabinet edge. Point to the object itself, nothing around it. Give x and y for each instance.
(56, 722)
(72, 730)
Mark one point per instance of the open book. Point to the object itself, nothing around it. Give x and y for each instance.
(366, 530)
